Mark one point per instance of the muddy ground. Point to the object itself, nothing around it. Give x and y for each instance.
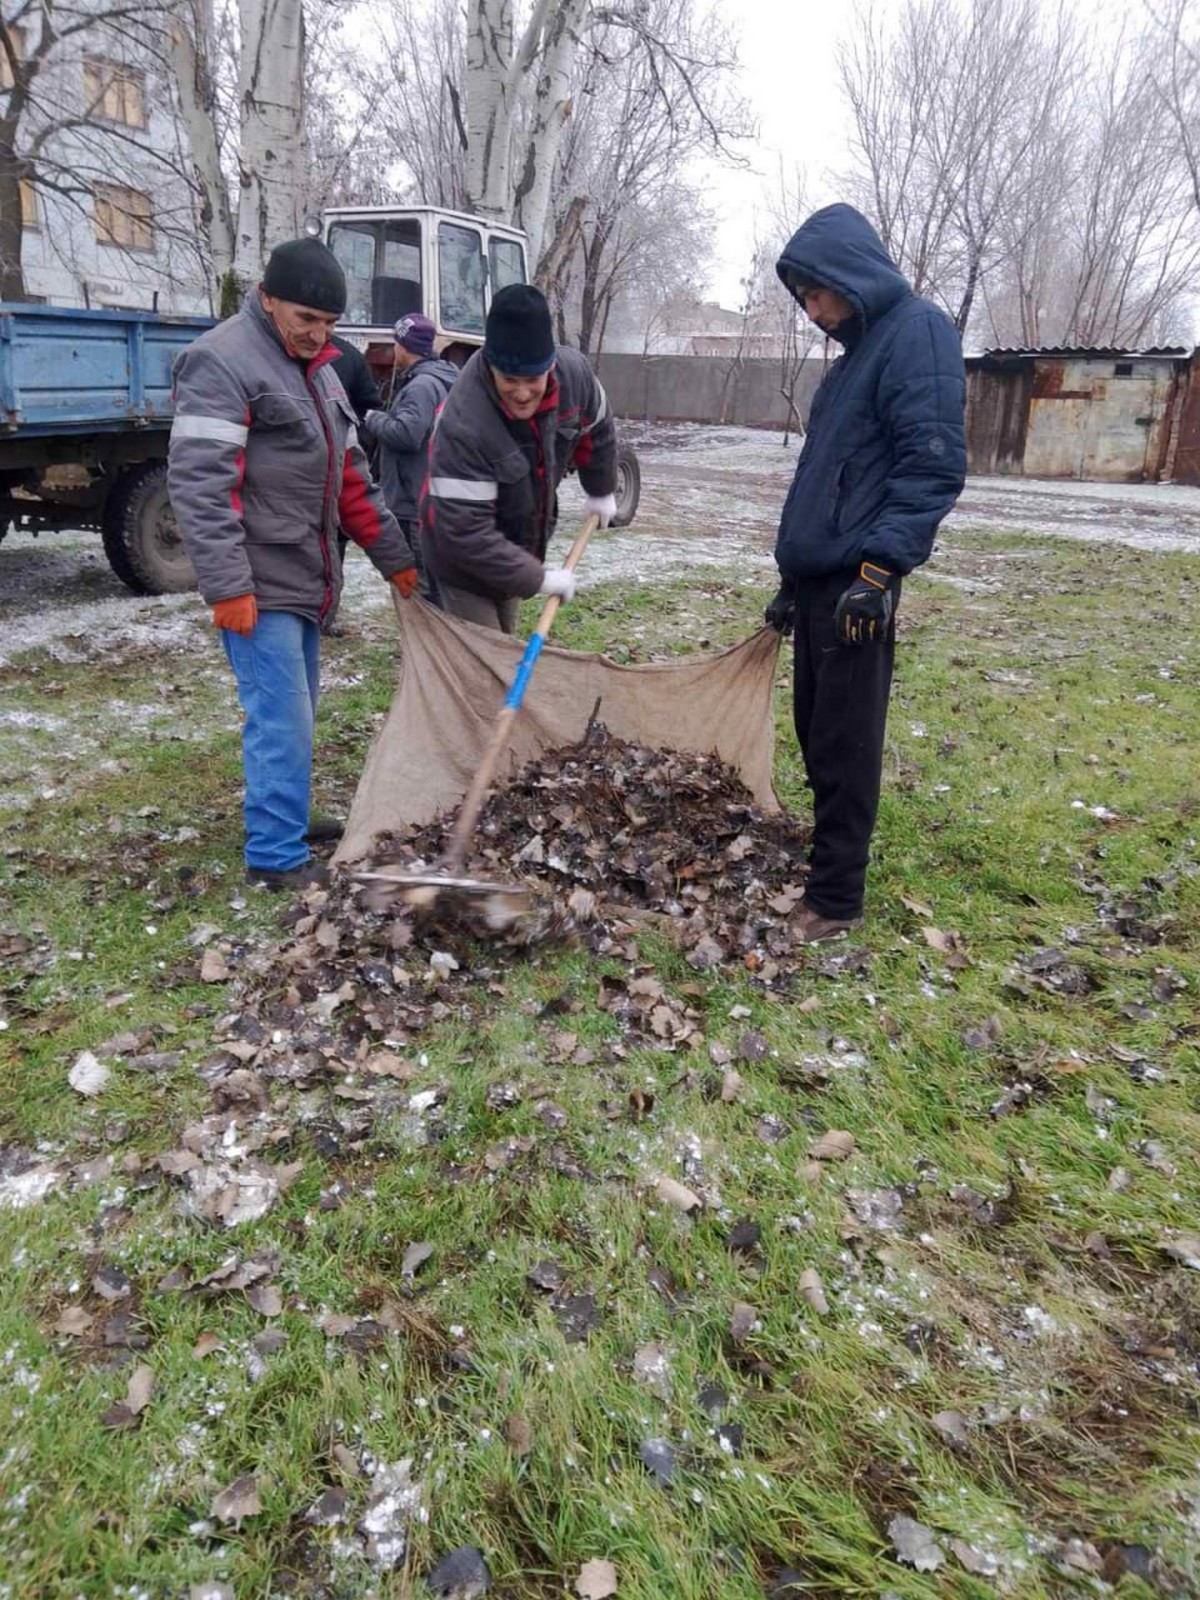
(710, 498)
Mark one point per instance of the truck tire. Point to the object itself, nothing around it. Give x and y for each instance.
(629, 485)
(141, 539)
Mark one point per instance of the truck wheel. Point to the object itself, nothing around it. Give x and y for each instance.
(141, 538)
(629, 486)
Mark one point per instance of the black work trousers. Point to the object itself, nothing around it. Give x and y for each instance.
(840, 700)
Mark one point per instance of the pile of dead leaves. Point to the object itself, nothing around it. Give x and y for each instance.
(605, 830)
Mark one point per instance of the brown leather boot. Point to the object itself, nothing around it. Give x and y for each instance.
(813, 928)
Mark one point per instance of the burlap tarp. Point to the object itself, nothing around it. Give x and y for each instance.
(453, 678)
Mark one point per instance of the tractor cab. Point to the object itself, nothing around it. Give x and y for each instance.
(419, 258)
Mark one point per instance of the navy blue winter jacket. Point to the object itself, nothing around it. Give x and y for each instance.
(884, 458)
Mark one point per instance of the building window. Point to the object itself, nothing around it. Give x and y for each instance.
(114, 93)
(124, 217)
(1123, 369)
(15, 35)
(31, 216)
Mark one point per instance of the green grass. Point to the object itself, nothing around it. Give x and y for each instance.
(1044, 674)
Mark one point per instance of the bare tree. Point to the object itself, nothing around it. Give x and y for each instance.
(1027, 177)
(637, 124)
(1176, 68)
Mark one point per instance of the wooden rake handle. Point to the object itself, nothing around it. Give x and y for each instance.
(481, 783)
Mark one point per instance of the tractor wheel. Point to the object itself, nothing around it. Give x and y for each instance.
(141, 538)
(629, 485)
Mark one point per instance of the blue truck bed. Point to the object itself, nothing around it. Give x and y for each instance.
(64, 371)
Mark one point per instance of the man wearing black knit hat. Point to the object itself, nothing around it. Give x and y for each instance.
(264, 464)
(522, 414)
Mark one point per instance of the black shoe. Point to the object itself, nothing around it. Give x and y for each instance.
(324, 830)
(301, 877)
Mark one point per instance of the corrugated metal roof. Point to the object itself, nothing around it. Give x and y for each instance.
(1082, 353)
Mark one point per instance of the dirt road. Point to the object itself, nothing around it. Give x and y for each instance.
(710, 499)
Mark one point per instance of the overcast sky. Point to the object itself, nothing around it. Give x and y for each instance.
(789, 75)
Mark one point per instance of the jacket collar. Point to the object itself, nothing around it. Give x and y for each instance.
(264, 322)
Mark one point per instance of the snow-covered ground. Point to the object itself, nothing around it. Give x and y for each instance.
(710, 499)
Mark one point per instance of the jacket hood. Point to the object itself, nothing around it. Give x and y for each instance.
(433, 367)
(837, 248)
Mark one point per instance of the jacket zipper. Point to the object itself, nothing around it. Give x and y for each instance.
(326, 564)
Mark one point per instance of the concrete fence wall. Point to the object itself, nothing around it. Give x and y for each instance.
(711, 389)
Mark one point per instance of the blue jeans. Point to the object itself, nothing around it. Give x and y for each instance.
(277, 670)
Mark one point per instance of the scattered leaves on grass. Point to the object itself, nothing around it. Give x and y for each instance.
(328, 1510)
(741, 1323)
(672, 1193)
(597, 1580)
(658, 1458)
(915, 1545)
(518, 1434)
(813, 1291)
(238, 1501)
(577, 1315)
(1184, 1248)
(836, 1145)
(461, 1575)
(979, 1562)
(88, 1076)
(75, 1321)
(138, 1393)
(414, 1258)
(652, 1369)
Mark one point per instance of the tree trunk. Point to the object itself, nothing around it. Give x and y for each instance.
(190, 44)
(270, 105)
(12, 237)
(489, 95)
(548, 114)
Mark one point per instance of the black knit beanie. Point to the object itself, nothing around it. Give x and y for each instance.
(307, 273)
(519, 337)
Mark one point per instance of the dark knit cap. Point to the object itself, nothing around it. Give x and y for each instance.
(415, 333)
(307, 273)
(519, 337)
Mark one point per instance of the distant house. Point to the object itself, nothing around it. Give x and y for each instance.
(112, 222)
(1130, 416)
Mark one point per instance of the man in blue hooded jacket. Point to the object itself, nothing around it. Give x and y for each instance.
(884, 460)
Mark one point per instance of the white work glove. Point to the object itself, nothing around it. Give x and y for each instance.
(603, 506)
(559, 581)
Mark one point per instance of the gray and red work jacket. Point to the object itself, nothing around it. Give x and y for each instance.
(489, 503)
(265, 464)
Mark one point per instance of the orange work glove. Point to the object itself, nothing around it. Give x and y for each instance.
(237, 615)
(406, 581)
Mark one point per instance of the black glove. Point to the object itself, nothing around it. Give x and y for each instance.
(781, 613)
(864, 611)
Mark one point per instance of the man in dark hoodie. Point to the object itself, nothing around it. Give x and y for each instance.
(402, 432)
(523, 413)
(884, 460)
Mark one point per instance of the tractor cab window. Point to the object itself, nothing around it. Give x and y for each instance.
(461, 275)
(507, 257)
(382, 263)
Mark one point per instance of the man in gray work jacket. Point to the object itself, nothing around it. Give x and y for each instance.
(421, 383)
(522, 414)
(264, 464)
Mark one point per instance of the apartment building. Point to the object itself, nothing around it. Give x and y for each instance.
(108, 218)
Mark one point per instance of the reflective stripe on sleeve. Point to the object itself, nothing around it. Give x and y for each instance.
(209, 428)
(601, 409)
(463, 488)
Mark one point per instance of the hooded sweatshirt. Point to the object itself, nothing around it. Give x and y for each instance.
(884, 458)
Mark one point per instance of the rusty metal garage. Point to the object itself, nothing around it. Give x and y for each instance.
(1128, 416)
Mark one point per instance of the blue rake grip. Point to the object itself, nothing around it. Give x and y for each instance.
(514, 697)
